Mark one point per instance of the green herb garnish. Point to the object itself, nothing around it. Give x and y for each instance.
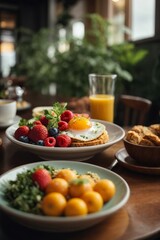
(53, 115)
(24, 194)
(58, 109)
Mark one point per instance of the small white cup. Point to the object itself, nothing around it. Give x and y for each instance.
(8, 109)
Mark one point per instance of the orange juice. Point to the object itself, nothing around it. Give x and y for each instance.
(102, 107)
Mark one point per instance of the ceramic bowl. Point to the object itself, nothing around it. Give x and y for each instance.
(144, 155)
(115, 132)
(66, 224)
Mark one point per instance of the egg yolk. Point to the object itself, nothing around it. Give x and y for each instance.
(79, 123)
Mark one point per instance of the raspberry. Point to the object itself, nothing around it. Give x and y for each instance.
(42, 177)
(66, 116)
(44, 120)
(21, 131)
(63, 140)
(62, 125)
(50, 142)
(38, 132)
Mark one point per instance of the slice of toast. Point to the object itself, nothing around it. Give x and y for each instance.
(100, 140)
(39, 111)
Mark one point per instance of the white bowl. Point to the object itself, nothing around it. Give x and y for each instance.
(66, 224)
(115, 132)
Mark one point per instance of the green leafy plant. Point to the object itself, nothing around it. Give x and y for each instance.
(32, 58)
(41, 60)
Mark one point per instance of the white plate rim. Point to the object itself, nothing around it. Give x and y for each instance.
(13, 122)
(69, 149)
(28, 105)
(49, 219)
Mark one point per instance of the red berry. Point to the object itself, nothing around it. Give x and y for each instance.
(21, 131)
(67, 116)
(50, 142)
(37, 122)
(62, 125)
(44, 120)
(63, 140)
(42, 177)
(38, 132)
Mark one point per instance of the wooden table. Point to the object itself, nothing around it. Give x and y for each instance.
(138, 219)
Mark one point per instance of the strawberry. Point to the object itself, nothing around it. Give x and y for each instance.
(37, 122)
(66, 116)
(21, 131)
(62, 126)
(50, 142)
(42, 177)
(63, 140)
(38, 132)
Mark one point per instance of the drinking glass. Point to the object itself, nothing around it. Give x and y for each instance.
(101, 96)
(16, 93)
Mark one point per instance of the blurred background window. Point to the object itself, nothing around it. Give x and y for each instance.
(132, 20)
(117, 15)
(78, 29)
(142, 19)
(7, 41)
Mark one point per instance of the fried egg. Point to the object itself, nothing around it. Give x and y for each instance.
(81, 128)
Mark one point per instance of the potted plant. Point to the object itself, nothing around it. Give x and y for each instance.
(40, 59)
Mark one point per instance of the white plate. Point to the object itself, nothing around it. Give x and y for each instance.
(24, 106)
(64, 224)
(15, 120)
(115, 132)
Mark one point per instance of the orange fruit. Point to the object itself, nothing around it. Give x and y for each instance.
(57, 185)
(53, 204)
(66, 174)
(87, 176)
(106, 188)
(93, 200)
(75, 207)
(79, 186)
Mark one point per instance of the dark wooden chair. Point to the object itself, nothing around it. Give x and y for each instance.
(135, 109)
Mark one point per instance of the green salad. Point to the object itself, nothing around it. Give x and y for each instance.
(23, 194)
